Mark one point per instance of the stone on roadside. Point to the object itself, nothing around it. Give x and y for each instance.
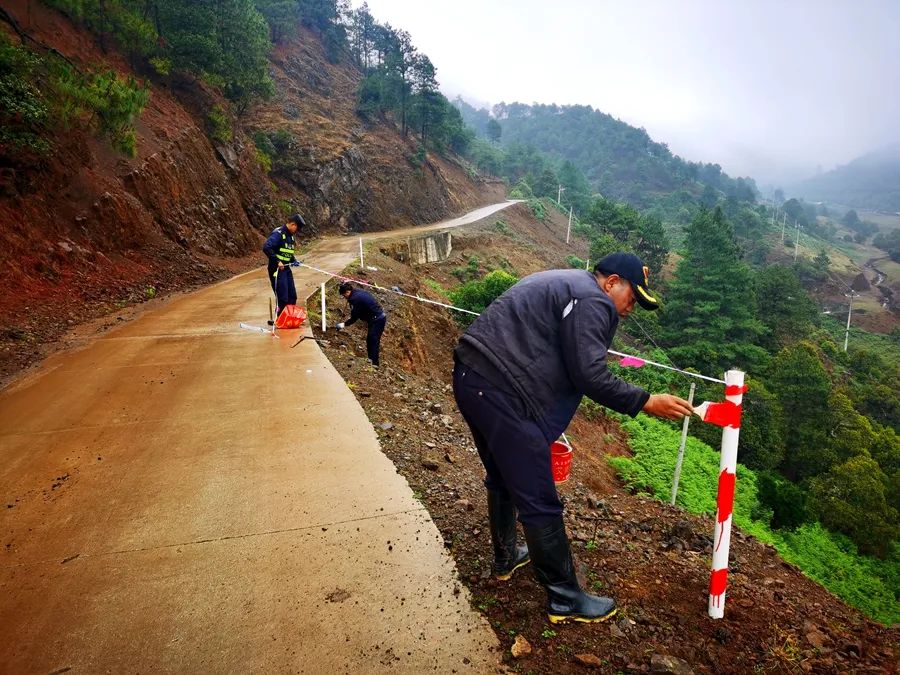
(816, 638)
(589, 660)
(521, 647)
(615, 631)
(386, 426)
(662, 664)
(430, 464)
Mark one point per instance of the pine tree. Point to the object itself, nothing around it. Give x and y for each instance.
(799, 379)
(708, 317)
(494, 131)
(784, 306)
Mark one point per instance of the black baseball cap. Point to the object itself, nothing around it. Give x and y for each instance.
(630, 267)
(297, 219)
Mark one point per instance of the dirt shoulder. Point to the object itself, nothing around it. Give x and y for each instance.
(653, 558)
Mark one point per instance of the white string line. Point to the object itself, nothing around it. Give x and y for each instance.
(672, 368)
(460, 309)
(391, 290)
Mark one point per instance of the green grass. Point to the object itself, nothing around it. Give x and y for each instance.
(885, 345)
(436, 287)
(867, 583)
(884, 221)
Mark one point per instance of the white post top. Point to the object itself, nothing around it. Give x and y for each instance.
(734, 377)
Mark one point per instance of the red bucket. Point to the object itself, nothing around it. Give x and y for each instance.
(560, 461)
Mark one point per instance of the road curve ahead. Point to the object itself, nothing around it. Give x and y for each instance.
(181, 495)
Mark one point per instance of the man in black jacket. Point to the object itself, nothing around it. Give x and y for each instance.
(520, 372)
(364, 306)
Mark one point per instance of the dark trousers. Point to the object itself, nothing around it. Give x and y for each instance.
(373, 339)
(283, 286)
(513, 449)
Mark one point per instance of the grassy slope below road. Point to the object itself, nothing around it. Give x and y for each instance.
(864, 582)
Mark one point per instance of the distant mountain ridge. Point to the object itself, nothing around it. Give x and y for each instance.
(621, 162)
(870, 182)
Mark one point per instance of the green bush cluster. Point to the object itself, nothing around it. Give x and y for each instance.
(110, 101)
(521, 190)
(23, 110)
(538, 209)
(470, 271)
(41, 94)
(502, 227)
(476, 295)
(275, 149)
(218, 125)
(225, 44)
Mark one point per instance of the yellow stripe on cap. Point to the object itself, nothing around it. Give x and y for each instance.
(646, 295)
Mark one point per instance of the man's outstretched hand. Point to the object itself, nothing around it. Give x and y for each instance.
(667, 406)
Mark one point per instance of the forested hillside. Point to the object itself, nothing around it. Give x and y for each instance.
(619, 161)
(869, 182)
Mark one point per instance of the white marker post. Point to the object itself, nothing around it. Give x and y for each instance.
(362, 263)
(734, 387)
(849, 314)
(569, 228)
(323, 308)
(684, 432)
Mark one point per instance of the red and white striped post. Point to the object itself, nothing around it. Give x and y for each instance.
(734, 393)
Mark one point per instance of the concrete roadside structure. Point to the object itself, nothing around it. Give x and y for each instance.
(181, 495)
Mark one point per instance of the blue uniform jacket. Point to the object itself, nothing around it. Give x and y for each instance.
(280, 238)
(363, 306)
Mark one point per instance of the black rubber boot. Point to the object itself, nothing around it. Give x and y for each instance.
(553, 566)
(508, 557)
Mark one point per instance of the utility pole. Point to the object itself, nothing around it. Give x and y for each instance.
(569, 228)
(783, 221)
(797, 244)
(849, 314)
(559, 195)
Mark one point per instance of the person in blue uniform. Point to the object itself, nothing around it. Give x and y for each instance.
(521, 369)
(364, 306)
(279, 248)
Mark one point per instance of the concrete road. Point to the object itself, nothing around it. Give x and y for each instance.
(181, 495)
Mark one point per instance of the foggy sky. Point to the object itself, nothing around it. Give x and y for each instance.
(772, 90)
